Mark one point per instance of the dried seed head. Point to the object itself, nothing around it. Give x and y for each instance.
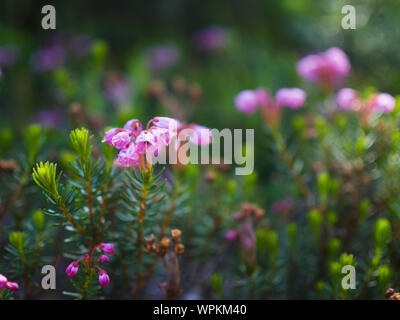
(258, 213)
(395, 296)
(151, 239)
(180, 248)
(165, 242)
(176, 235)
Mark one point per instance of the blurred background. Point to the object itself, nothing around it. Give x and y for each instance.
(107, 58)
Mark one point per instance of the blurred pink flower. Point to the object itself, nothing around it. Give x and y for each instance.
(231, 235)
(13, 286)
(211, 38)
(326, 68)
(201, 135)
(72, 269)
(346, 98)
(104, 258)
(104, 279)
(283, 205)
(3, 281)
(107, 248)
(383, 102)
(247, 101)
(290, 97)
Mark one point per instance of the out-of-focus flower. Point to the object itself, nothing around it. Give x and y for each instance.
(162, 57)
(201, 135)
(51, 118)
(104, 258)
(383, 102)
(12, 286)
(231, 235)
(263, 97)
(107, 248)
(346, 98)
(167, 123)
(247, 101)
(326, 68)
(212, 38)
(48, 59)
(104, 279)
(72, 269)
(283, 205)
(290, 97)
(9, 55)
(118, 89)
(3, 281)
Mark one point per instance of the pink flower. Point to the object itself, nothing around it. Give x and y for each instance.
(346, 98)
(384, 102)
(104, 279)
(146, 142)
(104, 258)
(263, 97)
(107, 248)
(247, 101)
(290, 97)
(12, 286)
(166, 123)
(3, 281)
(200, 135)
(121, 140)
(134, 126)
(231, 235)
(109, 135)
(72, 269)
(128, 157)
(326, 68)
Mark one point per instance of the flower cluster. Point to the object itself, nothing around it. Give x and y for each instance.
(326, 68)
(89, 262)
(135, 143)
(248, 101)
(348, 99)
(5, 284)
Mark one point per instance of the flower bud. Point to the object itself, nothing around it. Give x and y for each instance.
(3, 281)
(165, 242)
(107, 248)
(104, 258)
(38, 219)
(72, 269)
(104, 279)
(176, 235)
(383, 232)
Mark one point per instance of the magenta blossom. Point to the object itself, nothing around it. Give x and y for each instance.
(128, 157)
(104, 258)
(121, 140)
(384, 102)
(134, 126)
(247, 101)
(290, 97)
(107, 248)
(72, 269)
(104, 279)
(3, 281)
(327, 68)
(109, 135)
(167, 123)
(263, 97)
(146, 142)
(346, 98)
(231, 235)
(12, 286)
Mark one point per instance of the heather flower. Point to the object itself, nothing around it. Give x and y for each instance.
(109, 135)
(134, 126)
(346, 98)
(247, 101)
(146, 142)
(128, 157)
(290, 97)
(211, 38)
(121, 140)
(80, 45)
(104, 279)
(72, 269)
(384, 102)
(231, 235)
(118, 89)
(162, 57)
(200, 135)
(12, 286)
(3, 281)
(326, 68)
(166, 123)
(51, 118)
(104, 258)
(107, 248)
